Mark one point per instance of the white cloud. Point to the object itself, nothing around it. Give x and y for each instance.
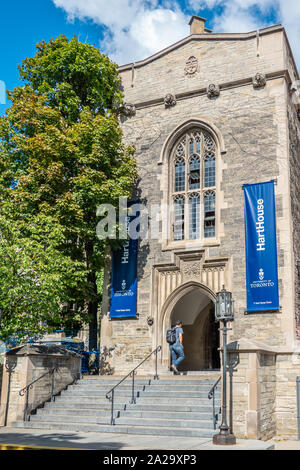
(135, 29)
(247, 15)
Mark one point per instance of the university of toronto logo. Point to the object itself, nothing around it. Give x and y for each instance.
(261, 274)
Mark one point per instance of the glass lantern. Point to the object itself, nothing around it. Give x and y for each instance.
(224, 310)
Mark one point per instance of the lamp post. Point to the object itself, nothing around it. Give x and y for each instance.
(224, 312)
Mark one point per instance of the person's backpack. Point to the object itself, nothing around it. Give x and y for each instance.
(171, 335)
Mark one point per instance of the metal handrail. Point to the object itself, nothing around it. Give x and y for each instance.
(110, 395)
(29, 386)
(211, 395)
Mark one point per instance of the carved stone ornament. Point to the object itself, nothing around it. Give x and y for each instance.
(150, 321)
(259, 80)
(128, 110)
(213, 90)
(298, 114)
(169, 100)
(191, 66)
(192, 269)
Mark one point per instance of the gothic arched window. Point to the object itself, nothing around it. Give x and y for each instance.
(193, 187)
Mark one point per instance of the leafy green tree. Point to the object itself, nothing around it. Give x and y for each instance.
(61, 151)
(35, 276)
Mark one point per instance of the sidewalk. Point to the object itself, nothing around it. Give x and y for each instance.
(286, 445)
(106, 441)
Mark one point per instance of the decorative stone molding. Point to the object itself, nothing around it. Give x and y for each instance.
(213, 91)
(127, 110)
(191, 66)
(150, 321)
(169, 100)
(192, 269)
(259, 80)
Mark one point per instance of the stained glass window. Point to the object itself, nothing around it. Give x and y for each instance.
(194, 216)
(209, 171)
(179, 218)
(209, 214)
(194, 170)
(194, 174)
(179, 175)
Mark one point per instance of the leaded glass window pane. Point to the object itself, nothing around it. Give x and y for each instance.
(209, 214)
(194, 216)
(209, 171)
(194, 175)
(179, 175)
(194, 156)
(179, 218)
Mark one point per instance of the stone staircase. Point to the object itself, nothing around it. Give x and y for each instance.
(170, 406)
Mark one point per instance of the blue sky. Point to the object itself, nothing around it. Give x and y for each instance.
(128, 30)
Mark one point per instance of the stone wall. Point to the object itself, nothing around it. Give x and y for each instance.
(219, 60)
(252, 125)
(264, 394)
(294, 176)
(28, 363)
(267, 394)
(287, 370)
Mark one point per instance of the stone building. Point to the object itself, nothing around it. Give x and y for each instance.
(208, 114)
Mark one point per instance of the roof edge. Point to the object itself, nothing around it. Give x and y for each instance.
(202, 37)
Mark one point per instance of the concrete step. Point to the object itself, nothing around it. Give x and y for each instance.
(141, 393)
(120, 429)
(155, 387)
(100, 400)
(165, 423)
(170, 378)
(172, 406)
(180, 380)
(123, 420)
(188, 415)
(159, 407)
(98, 408)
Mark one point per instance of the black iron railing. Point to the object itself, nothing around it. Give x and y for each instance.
(212, 395)
(111, 394)
(28, 387)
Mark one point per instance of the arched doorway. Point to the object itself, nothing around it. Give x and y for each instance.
(201, 336)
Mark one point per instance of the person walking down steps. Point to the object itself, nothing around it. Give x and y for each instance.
(175, 340)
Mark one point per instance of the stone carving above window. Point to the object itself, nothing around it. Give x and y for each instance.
(169, 100)
(192, 269)
(191, 66)
(259, 80)
(127, 110)
(213, 91)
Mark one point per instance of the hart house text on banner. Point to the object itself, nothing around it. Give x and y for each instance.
(261, 247)
(123, 300)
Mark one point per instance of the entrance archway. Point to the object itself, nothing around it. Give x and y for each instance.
(194, 306)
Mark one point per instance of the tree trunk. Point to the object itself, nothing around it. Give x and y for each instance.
(93, 301)
(93, 325)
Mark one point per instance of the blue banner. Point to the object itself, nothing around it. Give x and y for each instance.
(124, 280)
(261, 247)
